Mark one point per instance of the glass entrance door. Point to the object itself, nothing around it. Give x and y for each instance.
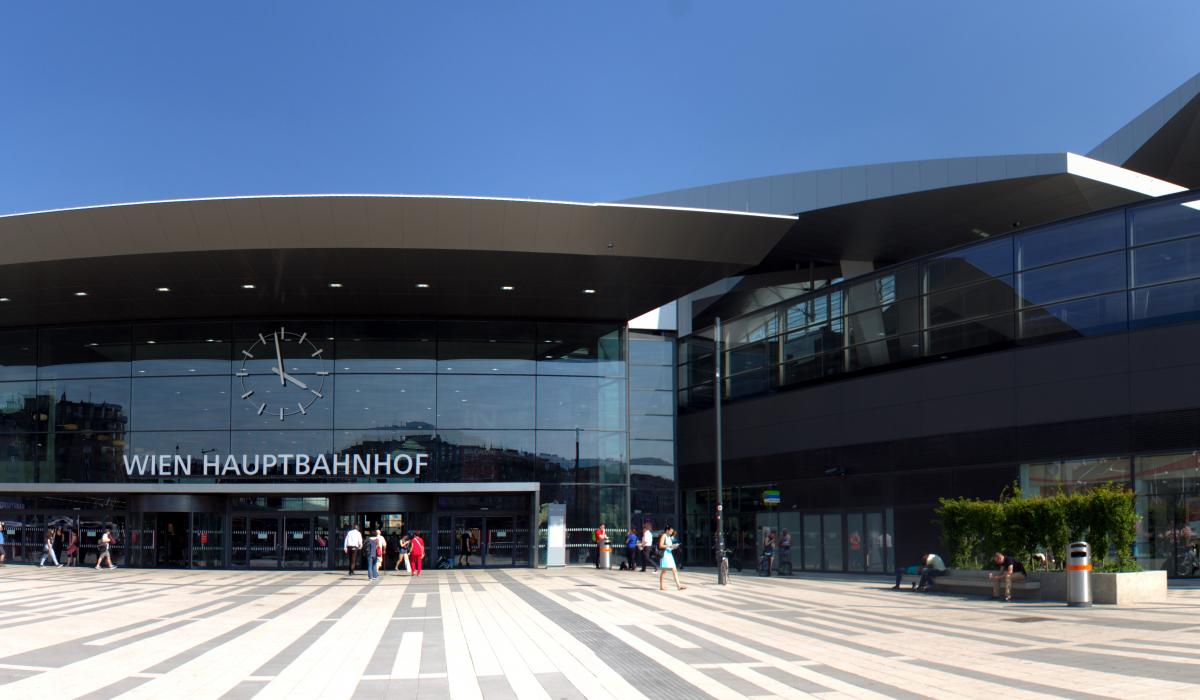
(274, 542)
(262, 543)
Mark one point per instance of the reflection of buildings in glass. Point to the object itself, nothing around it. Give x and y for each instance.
(86, 440)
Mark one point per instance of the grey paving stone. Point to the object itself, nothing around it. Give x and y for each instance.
(112, 690)
(496, 688)
(734, 683)
(433, 689)
(791, 680)
(8, 675)
(244, 690)
(867, 682)
(558, 686)
(1095, 661)
(1007, 681)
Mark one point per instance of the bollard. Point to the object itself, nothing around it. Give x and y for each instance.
(1079, 575)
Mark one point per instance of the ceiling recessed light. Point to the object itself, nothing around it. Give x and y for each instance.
(149, 342)
(422, 285)
(335, 285)
(81, 294)
(164, 289)
(589, 291)
(247, 286)
(2, 299)
(507, 287)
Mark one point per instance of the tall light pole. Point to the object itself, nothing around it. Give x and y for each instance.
(722, 561)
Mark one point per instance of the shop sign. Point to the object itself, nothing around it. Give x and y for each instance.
(771, 498)
(277, 465)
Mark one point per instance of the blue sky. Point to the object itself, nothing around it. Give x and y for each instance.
(125, 101)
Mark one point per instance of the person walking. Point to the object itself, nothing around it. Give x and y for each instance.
(418, 553)
(104, 549)
(601, 541)
(402, 553)
(48, 549)
(464, 547)
(375, 551)
(647, 544)
(631, 549)
(666, 543)
(769, 551)
(351, 545)
(72, 553)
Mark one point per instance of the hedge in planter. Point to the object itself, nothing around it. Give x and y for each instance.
(1104, 516)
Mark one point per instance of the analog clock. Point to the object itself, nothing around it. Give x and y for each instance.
(271, 378)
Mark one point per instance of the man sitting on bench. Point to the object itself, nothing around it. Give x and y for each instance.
(931, 567)
(1010, 569)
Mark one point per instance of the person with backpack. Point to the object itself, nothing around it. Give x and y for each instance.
(48, 550)
(104, 549)
(631, 550)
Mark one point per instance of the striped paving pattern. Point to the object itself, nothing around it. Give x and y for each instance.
(570, 633)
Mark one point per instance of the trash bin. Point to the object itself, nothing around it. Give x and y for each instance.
(1079, 575)
(605, 555)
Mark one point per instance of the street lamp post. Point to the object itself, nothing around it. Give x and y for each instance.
(722, 560)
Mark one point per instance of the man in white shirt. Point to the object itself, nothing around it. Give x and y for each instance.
(352, 545)
(646, 545)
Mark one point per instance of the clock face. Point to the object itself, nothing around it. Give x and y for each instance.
(283, 373)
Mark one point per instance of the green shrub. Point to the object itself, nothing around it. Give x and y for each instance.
(1104, 517)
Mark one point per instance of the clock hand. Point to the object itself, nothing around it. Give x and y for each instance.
(290, 378)
(279, 357)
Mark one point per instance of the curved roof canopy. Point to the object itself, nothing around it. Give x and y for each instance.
(1163, 141)
(376, 249)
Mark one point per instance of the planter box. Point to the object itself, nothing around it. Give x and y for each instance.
(1108, 589)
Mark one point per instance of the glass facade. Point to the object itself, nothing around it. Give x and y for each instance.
(488, 401)
(1124, 269)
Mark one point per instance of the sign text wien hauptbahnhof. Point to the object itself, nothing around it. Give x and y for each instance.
(277, 465)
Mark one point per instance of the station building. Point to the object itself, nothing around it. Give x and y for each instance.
(234, 382)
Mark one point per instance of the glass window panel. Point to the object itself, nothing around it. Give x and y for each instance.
(1167, 303)
(750, 328)
(652, 427)
(485, 402)
(1077, 319)
(1166, 262)
(874, 541)
(882, 322)
(648, 349)
(746, 384)
(693, 348)
(18, 458)
(832, 541)
(797, 314)
(884, 352)
(93, 351)
(182, 348)
(700, 396)
(802, 370)
(811, 341)
(488, 455)
(180, 403)
(91, 456)
(386, 347)
(306, 347)
(1079, 278)
(580, 349)
(1072, 475)
(72, 405)
(982, 299)
(882, 290)
(260, 410)
(1160, 222)
(650, 377)
(587, 506)
(965, 336)
(967, 265)
(642, 402)
(583, 456)
(486, 347)
(857, 546)
(371, 442)
(1167, 474)
(812, 542)
(1072, 240)
(698, 371)
(386, 401)
(20, 406)
(18, 354)
(581, 402)
(194, 444)
(748, 357)
(262, 442)
(652, 458)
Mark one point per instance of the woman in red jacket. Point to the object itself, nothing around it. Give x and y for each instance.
(417, 555)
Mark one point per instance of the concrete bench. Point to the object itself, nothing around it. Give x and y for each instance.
(969, 581)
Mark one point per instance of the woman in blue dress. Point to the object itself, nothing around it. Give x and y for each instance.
(666, 543)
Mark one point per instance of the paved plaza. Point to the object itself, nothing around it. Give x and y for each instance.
(569, 633)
